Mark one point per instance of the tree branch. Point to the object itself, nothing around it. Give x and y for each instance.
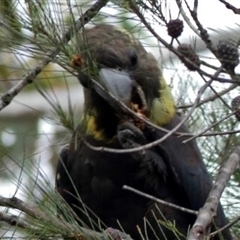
(203, 222)
(14, 220)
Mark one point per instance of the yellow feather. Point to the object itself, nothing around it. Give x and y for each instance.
(163, 109)
(93, 130)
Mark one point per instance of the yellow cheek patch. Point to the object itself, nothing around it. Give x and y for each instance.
(163, 109)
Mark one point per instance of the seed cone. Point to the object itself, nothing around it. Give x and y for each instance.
(187, 51)
(175, 28)
(228, 54)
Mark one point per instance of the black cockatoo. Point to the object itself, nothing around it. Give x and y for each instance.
(91, 181)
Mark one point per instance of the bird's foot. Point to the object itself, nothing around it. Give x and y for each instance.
(130, 136)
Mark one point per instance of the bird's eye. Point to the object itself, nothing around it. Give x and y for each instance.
(133, 58)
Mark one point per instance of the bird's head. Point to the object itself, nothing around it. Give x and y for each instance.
(125, 69)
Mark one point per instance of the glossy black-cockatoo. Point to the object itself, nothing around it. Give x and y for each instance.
(91, 181)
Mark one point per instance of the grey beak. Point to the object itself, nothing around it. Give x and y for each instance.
(118, 83)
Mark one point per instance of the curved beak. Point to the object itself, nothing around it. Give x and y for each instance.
(118, 83)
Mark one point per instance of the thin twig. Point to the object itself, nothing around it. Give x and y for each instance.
(159, 200)
(212, 97)
(227, 226)
(195, 6)
(209, 127)
(203, 32)
(230, 6)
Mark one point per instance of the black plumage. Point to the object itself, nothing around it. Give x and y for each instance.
(171, 171)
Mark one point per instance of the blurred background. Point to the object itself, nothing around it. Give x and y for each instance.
(39, 121)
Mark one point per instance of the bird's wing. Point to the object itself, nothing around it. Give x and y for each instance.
(186, 164)
(188, 169)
